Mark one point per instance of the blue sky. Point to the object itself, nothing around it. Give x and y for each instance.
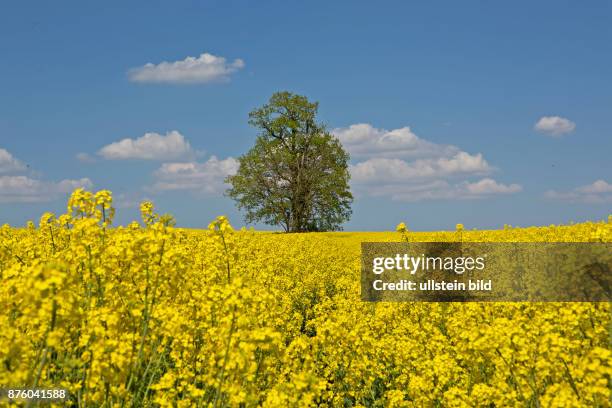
(482, 113)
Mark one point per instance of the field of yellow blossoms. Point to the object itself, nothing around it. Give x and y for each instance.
(152, 315)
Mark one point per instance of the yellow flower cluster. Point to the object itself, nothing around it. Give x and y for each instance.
(152, 315)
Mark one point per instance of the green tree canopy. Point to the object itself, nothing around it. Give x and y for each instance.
(296, 175)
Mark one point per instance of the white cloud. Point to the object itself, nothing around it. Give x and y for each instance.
(598, 192)
(443, 190)
(23, 189)
(206, 178)
(598, 187)
(363, 140)
(8, 163)
(85, 158)
(26, 189)
(382, 170)
(400, 165)
(151, 146)
(489, 186)
(205, 68)
(554, 125)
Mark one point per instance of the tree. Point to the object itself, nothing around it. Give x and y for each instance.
(296, 175)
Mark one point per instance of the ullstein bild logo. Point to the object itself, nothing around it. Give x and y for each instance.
(486, 271)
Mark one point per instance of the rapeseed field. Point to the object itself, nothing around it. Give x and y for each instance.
(152, 315)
